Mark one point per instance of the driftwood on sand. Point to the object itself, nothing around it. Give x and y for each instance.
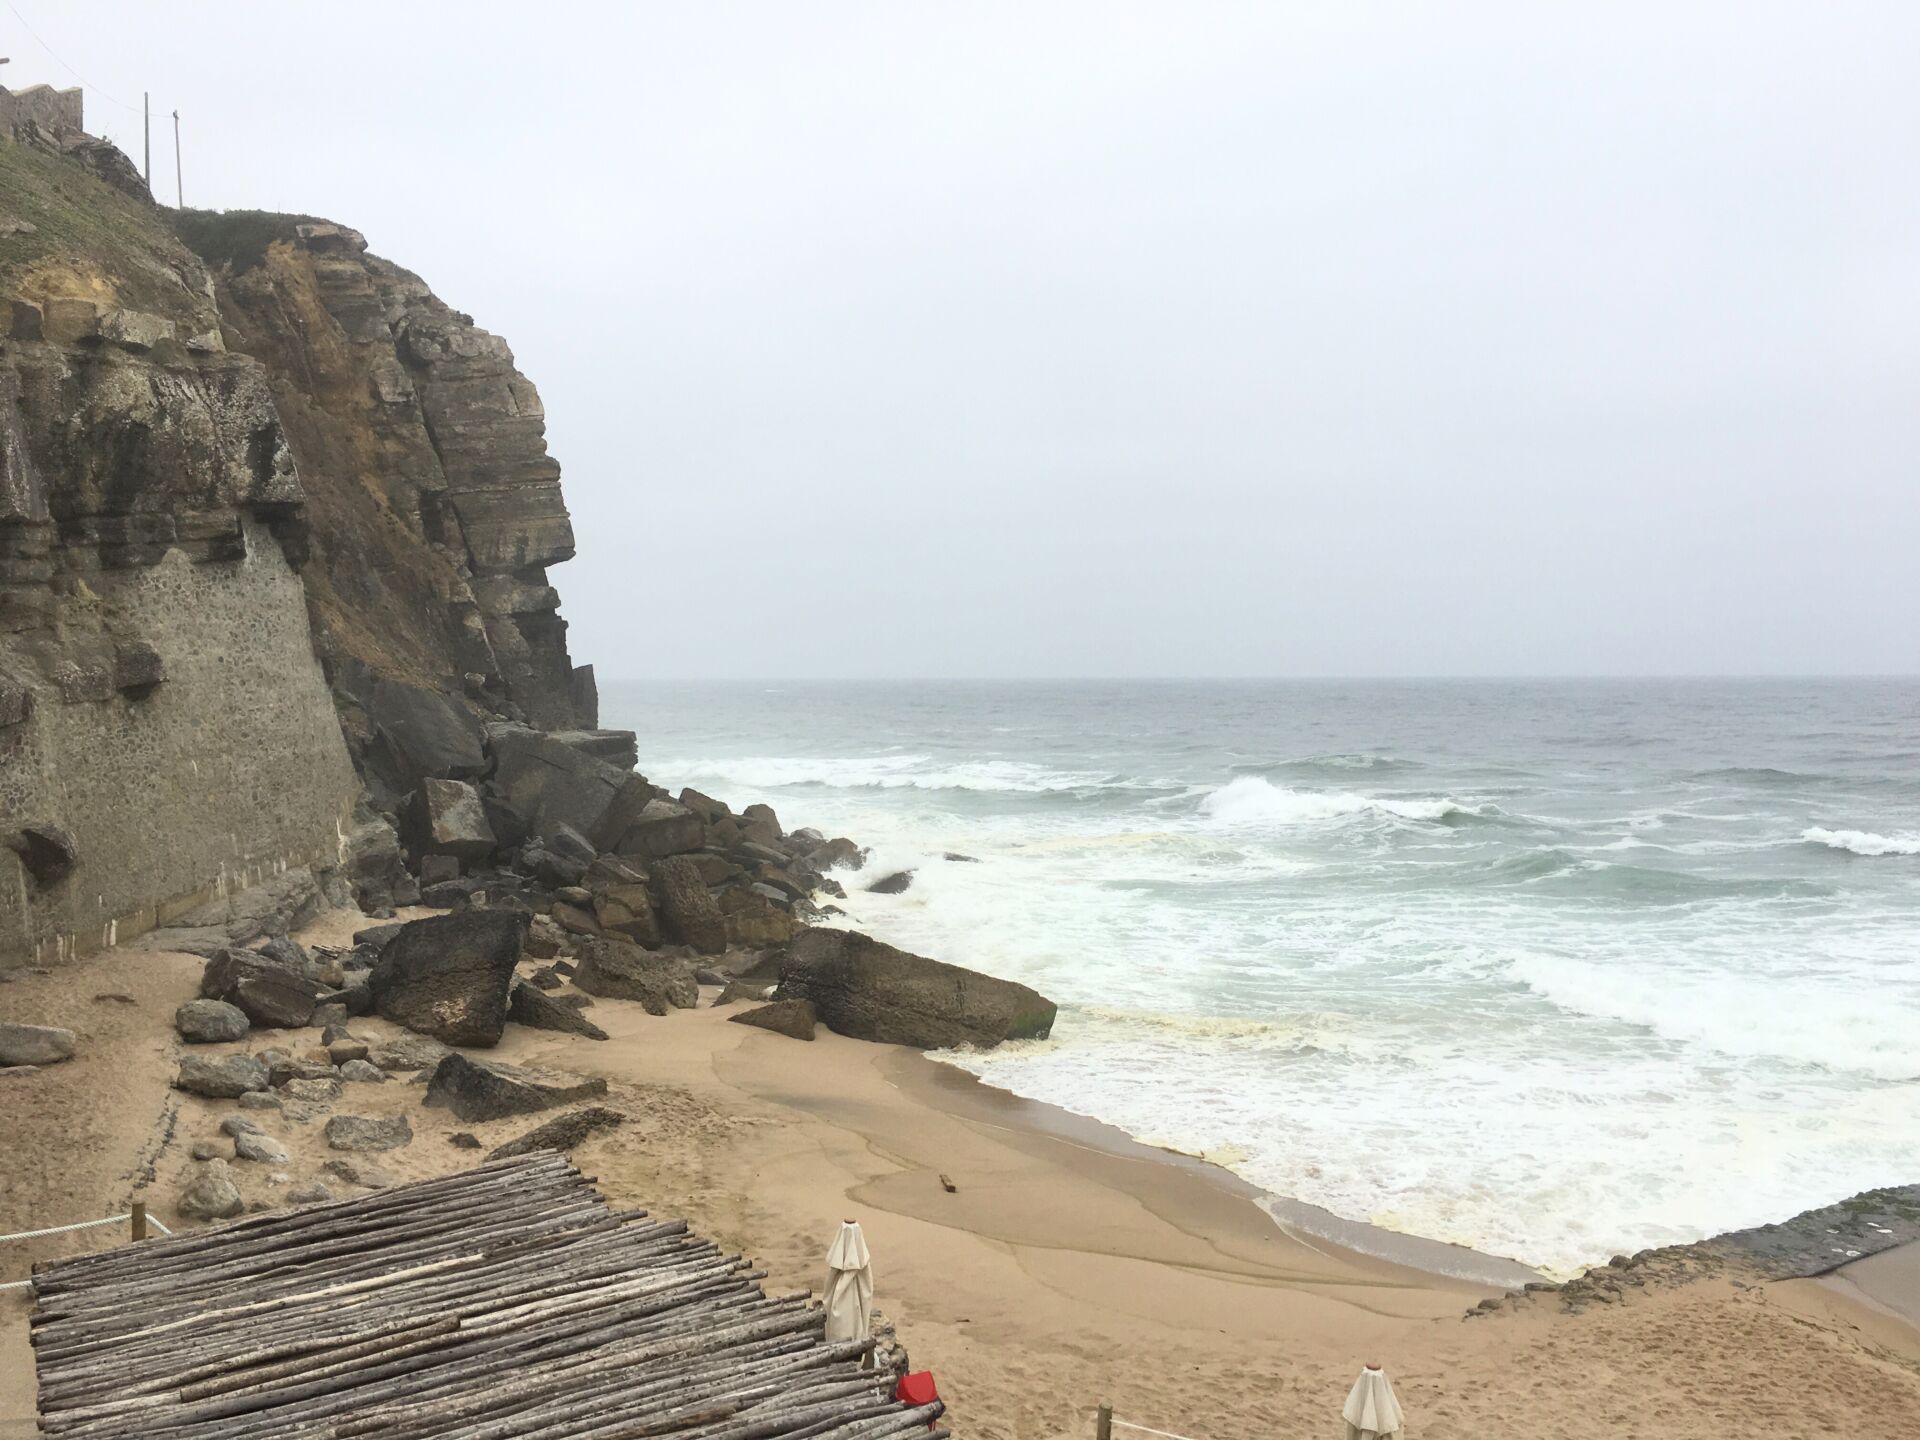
(505, 1301)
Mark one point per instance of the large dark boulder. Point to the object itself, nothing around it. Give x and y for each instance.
(615, 970)
(872, 991)
(533, 1007)
(792, 1018)
(539, 782)
(271, 994)
(619, 748)
(482, 1090)
(688, 913)
(448, 976)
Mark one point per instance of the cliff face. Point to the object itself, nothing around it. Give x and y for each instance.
(270, 514)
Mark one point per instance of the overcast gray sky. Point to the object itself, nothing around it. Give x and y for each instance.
(1108, 339)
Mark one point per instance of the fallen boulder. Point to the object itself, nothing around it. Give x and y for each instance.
(663, 828)
(34, 1044)
(793, 1018)
(366, 1132)
(263, 1149)
(688, 913)
(448, 819)
(488, 1090)
(447, 976)
(211, 1195)
(871, 991)
(563, 1132)
(616, 970)
(537, 1010)
(221, 1077)
(894, 884)
(208, 1022)
(269, 991)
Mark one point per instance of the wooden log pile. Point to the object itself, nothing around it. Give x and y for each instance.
(507, 1300)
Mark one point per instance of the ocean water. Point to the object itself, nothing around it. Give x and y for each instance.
(1551, 969)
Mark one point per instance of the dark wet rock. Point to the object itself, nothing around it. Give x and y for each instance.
(957, 858)
(364, 1132)
(894, 884)
(616, 970)
(221, 1077)
(483, 1090)
(792, 1018)
(447, 976)
(871, 991)
(538, 1010)
(688, 914)
(837, 853)
(34, 1044)
(563, 1132)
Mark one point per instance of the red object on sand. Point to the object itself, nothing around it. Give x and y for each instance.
(917, 1389)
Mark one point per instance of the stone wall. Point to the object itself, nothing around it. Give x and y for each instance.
(58, 111)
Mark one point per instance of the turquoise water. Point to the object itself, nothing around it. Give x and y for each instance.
(1553, 969)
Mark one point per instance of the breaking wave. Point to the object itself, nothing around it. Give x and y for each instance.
(1254, 800)
(886, 772)
(1862, 842)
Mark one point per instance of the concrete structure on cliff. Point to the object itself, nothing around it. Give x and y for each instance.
(270, 513)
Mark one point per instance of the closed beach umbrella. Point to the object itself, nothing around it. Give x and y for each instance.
(1372, 1412)
(849, 1284)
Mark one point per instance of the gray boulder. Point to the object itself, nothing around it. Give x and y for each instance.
(688, 913)
(221, 1077)
(270, 993)
(407, 1052)
(249, 1145)
(34, 1044)
(211, 1194)
(448, 819)
(361, 1071)
(894, 884)
(365, 1132)
(311, 1193)
(533, 1007)
(663, 828)
(615, 970)
(792, 1018)
(483, 1090)
(447, 976)
(870, 991)
(563, 1132)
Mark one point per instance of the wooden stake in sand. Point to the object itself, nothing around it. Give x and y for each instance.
(506, 1301)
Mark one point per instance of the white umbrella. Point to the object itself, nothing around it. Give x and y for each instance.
(1372, 1412)
(849, 1284)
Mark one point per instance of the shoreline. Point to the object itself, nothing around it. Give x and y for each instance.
(926, 1079)
(1071, 1266)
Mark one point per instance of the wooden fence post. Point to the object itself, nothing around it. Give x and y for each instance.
(1103, 1423)
(139, 1218)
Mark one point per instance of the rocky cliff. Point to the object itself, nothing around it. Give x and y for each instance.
(275, 525)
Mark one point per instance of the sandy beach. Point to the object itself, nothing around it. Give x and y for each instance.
(1068, 1266)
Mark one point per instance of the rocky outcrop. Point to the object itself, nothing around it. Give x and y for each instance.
(872, 991)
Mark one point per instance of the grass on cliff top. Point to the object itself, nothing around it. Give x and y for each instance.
(82, 223)
(236, 239)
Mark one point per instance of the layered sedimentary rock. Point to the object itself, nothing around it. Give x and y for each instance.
(157, 673)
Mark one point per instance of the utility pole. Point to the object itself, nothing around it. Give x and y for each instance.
(146, 137)
(179, 193)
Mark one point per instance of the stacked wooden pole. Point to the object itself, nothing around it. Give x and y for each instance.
(506, 1301)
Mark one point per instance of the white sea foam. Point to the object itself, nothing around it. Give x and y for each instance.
(1862, 842)
(1254, 800)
